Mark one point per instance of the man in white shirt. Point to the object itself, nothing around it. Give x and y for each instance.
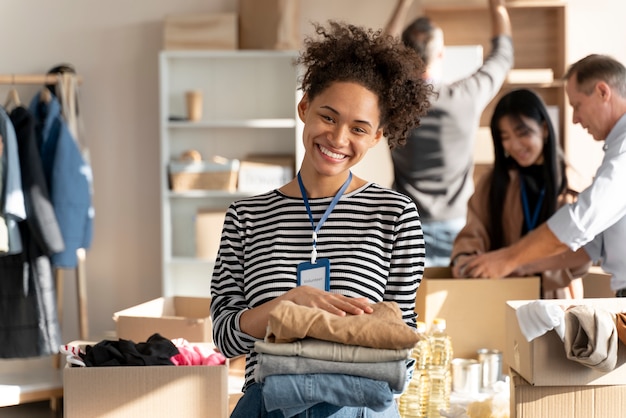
(595, 225)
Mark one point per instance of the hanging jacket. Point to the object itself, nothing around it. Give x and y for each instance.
(69, 180)
(29, 325)
(13, 209)
(44, 226)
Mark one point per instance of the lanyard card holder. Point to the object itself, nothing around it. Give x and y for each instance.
(315, 274)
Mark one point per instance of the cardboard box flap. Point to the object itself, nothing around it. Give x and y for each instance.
(438, 273)
(172, 317)
(171, 307)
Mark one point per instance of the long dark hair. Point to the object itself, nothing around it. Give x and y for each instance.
(517, 103)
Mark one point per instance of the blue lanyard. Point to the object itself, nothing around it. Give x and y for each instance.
(329, 209)
(531, 222)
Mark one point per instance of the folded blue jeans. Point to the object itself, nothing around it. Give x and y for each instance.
(252, 405)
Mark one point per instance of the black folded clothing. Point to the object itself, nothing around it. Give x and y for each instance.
(157, 351)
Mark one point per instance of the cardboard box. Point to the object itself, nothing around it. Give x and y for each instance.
(172, 317)
(528, 401)
(597, 283)
(209, 223)
(203, 175)
(473, 309)
(201, 31)
(543, 362)
(258, 174)
(269, 24)
(145, 391)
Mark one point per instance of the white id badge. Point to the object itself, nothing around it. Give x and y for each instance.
(315, 275)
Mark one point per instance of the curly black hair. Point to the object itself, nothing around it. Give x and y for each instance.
(378, 62)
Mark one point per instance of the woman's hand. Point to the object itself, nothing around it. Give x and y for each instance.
(331, 302)
(458, 269)
(254, 321)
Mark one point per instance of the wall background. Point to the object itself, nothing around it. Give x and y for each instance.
(114, 45)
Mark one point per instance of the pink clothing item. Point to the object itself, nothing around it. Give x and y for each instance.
(195, 355)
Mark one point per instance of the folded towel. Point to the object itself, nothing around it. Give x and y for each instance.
(538, 317)
(591, 337)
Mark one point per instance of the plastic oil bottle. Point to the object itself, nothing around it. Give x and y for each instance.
(415, 399)
(439, 370)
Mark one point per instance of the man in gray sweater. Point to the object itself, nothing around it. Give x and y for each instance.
(435, 166)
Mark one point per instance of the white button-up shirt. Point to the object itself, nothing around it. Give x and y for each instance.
(597, 220)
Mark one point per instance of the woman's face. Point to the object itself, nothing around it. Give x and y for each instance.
(523, 139)
(340, 125)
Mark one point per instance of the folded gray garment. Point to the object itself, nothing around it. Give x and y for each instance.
(331, 351)
(392, 372)
(591, 337)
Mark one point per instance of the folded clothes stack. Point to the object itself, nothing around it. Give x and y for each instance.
(310, 356)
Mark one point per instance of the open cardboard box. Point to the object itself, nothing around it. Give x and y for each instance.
(145, 391)
(473, 308)
(172, 317)
(543, 362)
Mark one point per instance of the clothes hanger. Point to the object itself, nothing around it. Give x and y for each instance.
(13, 98)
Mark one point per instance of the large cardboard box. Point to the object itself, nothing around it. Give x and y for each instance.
(528, 401)
(201, 31)
(209, 224)
(473, 309)
(269, 24)
(146, 391)
(543, 362)
(172, 317)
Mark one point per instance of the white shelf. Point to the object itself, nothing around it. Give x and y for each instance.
(284, 123)
(207, 194)
(249, 103)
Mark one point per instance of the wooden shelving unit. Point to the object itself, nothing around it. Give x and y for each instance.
(539, 38)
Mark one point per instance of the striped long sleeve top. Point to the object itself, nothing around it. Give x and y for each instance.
(373, 239)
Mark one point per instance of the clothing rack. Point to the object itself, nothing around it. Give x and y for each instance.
(53, 391)
(81, 282)
(31, 78)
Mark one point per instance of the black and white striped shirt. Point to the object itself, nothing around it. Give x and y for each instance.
(373, 239)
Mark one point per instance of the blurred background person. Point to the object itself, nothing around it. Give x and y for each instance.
(527, 185)
(435, 167)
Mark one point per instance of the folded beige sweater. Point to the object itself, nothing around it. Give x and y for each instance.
(383, 328)
(591, 337)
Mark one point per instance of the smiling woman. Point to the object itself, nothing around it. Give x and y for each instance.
(327, 240)
(526, 186)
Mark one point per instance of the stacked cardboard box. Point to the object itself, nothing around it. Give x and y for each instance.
(545, 383)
